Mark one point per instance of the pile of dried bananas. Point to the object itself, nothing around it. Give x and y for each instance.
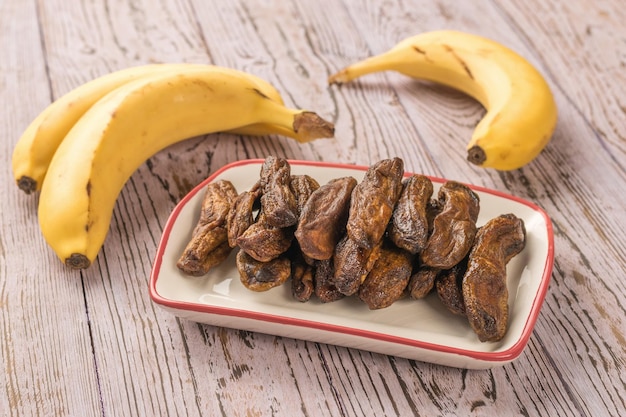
(379, 239)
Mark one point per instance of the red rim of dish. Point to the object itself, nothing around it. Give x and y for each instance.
(498, 356)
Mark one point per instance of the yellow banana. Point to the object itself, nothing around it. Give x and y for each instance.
(34, 149)
(521, 113)
(131, 123)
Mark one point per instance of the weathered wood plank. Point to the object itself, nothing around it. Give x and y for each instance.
(45, 346)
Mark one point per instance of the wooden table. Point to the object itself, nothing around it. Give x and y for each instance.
(92, 343)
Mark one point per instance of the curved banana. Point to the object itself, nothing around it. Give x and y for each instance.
(131, 123)
(34, 149)
(521, 112)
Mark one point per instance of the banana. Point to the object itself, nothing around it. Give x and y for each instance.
(34, 149)
(133, 122)
(521, 113)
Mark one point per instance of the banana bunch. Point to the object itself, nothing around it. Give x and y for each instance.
(521, 113)
(80, 151)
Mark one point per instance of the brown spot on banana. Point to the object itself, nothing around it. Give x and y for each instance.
(423, 53)
(466, 68)
(259, 92)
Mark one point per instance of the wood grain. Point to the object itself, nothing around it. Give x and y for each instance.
(92, 343)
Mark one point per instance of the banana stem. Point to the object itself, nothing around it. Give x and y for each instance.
(377, 63)
(310, 126)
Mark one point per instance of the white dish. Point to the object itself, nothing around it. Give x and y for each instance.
(416, 329)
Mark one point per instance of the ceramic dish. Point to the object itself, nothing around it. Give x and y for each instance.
(416, 329)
